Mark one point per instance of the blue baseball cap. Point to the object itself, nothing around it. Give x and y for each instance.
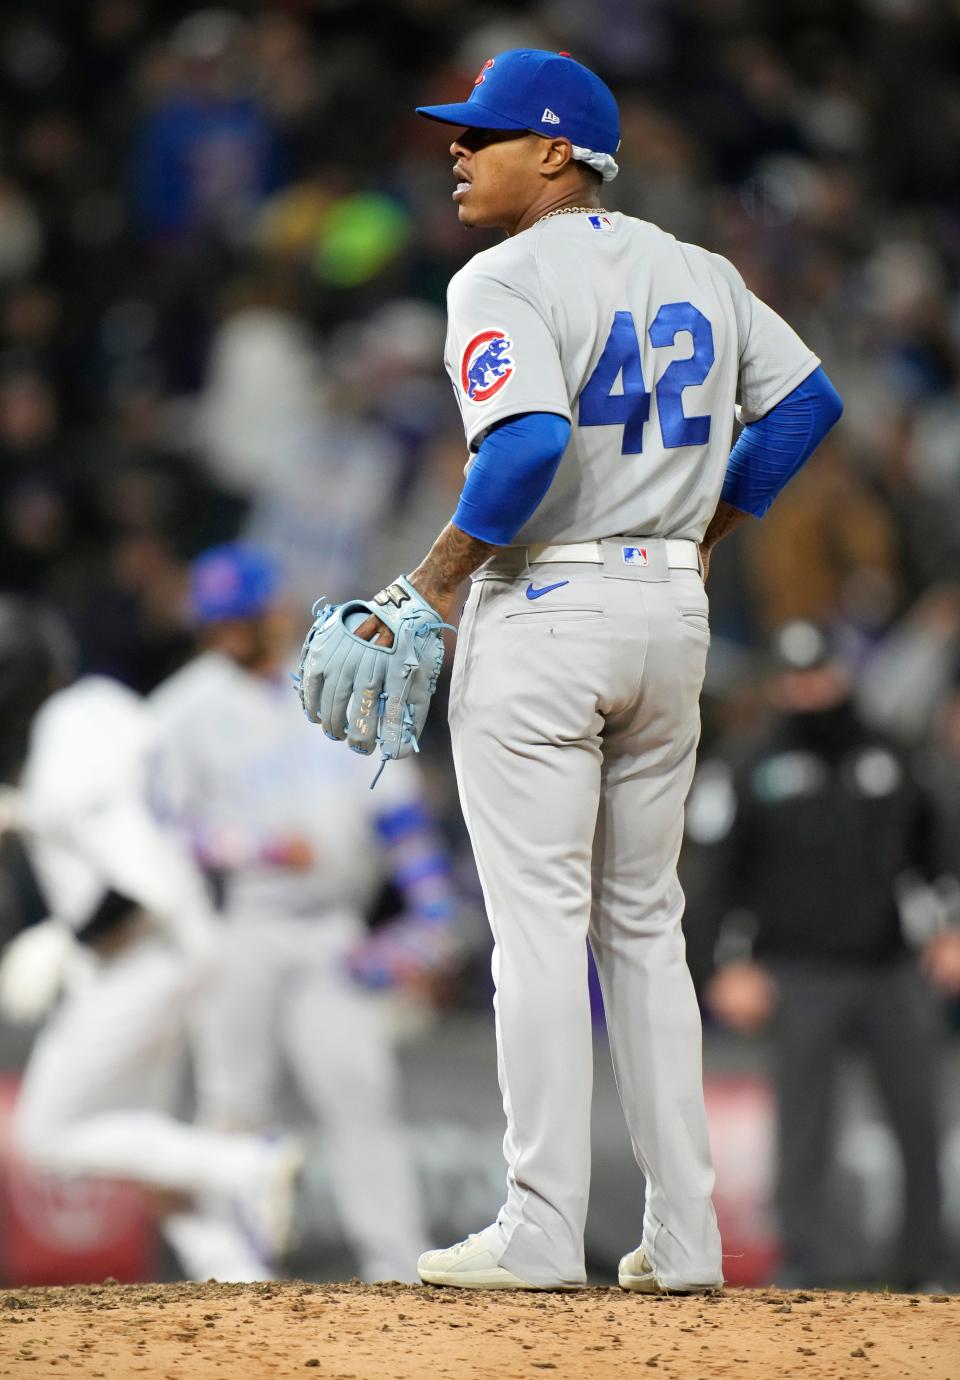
(546, 93)
(233, 580)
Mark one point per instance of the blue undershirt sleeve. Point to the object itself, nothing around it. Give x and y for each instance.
(419, 861)
(510, 475)
(769, 452)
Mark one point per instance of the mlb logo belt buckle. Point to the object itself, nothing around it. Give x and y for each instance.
(636, 558)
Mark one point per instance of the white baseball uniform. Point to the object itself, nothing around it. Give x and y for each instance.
(240, 769)
(104, 1069)
(574, 704)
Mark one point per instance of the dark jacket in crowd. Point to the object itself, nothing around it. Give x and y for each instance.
(809, 833)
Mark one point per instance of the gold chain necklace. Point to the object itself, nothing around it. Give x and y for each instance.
(573, 211)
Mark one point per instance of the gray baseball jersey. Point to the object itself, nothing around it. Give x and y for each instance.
(643, 343)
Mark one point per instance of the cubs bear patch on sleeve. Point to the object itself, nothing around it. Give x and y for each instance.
(501, 355)
(486, 366)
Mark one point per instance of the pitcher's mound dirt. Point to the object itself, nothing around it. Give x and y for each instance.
(396, 1332)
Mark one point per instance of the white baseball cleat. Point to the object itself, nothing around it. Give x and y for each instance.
(470, 1265)
(638, 1276)
(467, 1265)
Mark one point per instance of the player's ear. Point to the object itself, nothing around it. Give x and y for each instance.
(555, 155)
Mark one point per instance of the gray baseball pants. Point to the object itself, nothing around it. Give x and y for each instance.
(574, 718)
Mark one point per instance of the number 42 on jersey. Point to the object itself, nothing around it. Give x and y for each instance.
(600, 406)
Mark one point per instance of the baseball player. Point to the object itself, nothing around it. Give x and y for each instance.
(596, 362)
(120, 915)
(301, 846)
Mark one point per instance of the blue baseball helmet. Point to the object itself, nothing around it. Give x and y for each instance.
(547, 93)
(233, 580)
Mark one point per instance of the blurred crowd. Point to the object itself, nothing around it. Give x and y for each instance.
(225, 241)
(225, 245)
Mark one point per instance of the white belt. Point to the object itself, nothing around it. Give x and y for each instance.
(681, 555)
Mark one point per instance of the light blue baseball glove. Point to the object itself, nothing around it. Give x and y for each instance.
(369, 694)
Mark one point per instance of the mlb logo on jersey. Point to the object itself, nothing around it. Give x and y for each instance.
(635, 555)
(602, 223)
(486, 366)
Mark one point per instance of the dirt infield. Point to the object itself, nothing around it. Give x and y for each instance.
(396, 1332)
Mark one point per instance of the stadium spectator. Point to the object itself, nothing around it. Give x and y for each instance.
(207, 154)
(822, 854)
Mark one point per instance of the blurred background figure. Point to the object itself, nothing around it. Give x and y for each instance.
(207, 154)
(300, 847)
(224, 254)
(829, 898)
(117, 917)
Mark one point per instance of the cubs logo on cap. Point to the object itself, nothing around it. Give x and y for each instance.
(233, 580)
(487, 365)
(547, 93)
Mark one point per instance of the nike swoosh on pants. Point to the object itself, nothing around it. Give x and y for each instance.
(534, 593)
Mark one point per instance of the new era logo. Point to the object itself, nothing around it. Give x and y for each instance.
(548, 117)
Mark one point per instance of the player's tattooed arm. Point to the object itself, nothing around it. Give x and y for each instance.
(723, 522)
(453, 556)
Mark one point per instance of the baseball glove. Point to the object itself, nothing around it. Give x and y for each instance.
(369, 694)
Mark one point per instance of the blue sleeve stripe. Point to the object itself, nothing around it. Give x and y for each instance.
(435, 865)
(437, 910)
(510, 475)
(769, 452)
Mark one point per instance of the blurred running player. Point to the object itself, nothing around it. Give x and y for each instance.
(121, 926)
(301, 847)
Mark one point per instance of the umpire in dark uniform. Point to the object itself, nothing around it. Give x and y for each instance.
(820, 848)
